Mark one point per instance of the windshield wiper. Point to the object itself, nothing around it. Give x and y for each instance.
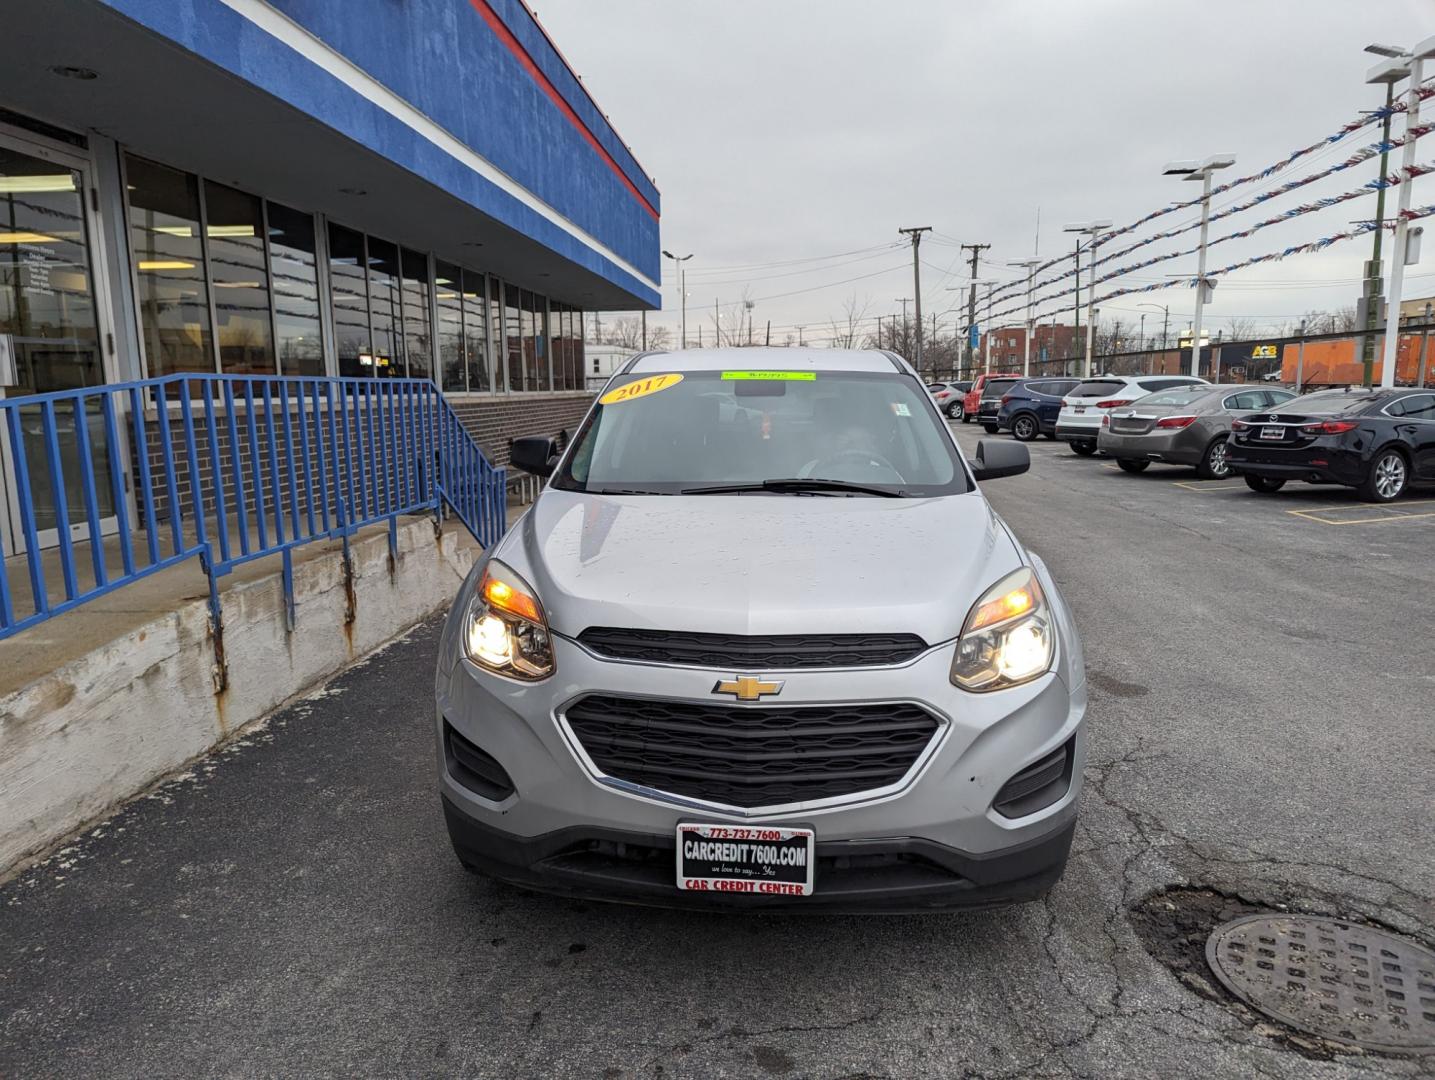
(797, 485)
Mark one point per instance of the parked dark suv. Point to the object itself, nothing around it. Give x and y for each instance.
(991, 399)
(1030, 406)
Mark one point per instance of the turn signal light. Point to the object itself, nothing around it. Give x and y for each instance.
(500, 594)
(1329, 427)
(1241, 425)
(1113, 403)
(1175, 421)
(1106, 421)
(1006, 398)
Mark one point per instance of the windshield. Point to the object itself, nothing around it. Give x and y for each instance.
(997, 387)
(1097, 388)
(661, 434)
(1183, 396)
(1329, 402)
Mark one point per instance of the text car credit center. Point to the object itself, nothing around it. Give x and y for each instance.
(761, 640)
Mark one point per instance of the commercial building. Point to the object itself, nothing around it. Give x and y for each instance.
(365, 188)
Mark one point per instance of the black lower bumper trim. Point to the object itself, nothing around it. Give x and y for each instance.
(904, 874)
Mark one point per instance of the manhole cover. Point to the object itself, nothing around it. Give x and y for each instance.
(1330, 978)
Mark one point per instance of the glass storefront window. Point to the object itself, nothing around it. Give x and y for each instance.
(234, 229)
(475, 329)
(448, 297)
(417, 334)
(497, 346)
(349, 293)
(170, 286)
(293, 266)
(385, 310)
(513, 337)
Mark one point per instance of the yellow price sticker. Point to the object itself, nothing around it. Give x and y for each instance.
(641, 388)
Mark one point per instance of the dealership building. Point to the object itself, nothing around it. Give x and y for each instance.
(365, 188)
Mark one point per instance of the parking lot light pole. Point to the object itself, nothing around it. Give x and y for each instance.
(1300, 356)
(1030, 266)
(1202, 171)
(682, 270)
(1424, 343)
(1411, 65)
(1093, 229)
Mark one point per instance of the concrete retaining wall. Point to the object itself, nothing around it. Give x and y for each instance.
(96, 731)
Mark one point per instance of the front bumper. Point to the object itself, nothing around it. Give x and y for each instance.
(932, 840)
(1166, 446)
(882, 875)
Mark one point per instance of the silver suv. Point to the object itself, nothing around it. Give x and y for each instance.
(761, 640)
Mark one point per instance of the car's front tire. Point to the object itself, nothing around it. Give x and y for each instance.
(1083, 447)
(1215, 465)
(1024, 427)
(1133, 465)
(1386, 479)
(1266, 485)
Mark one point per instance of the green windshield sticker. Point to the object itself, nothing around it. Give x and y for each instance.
(784, 376)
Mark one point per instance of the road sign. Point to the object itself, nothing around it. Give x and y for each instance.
(974, 336)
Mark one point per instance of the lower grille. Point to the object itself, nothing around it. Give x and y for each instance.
(785, 651)
(755, 756)
(473, 768)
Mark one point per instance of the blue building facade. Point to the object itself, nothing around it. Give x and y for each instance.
(367, 188)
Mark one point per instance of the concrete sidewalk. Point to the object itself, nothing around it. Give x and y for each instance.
(99, 702)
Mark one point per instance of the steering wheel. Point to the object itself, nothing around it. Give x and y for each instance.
(868, 459)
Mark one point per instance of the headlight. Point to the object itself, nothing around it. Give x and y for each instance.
(1007, 638)
(504, 629)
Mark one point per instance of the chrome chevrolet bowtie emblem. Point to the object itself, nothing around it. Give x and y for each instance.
(748, 687)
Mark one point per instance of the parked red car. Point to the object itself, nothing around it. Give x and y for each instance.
(974, 395)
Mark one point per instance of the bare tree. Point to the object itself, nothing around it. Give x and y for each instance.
(1242, 329)
(845, 328)
(626, 333)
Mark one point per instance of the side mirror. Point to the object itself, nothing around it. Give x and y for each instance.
(536, 454)
(997, 459)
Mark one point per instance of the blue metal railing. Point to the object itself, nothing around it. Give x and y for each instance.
(226, 468)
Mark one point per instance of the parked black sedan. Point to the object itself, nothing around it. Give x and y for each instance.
(1376, 441)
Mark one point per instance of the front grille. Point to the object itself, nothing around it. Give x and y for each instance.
(784, 651)
(753, 756)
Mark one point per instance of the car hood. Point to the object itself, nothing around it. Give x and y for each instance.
(760, 564)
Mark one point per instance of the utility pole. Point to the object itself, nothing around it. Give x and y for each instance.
(800, 342)
(976, 250)
(1076, 332)
(1373, 281)
(1094, 229)
(916, 235)
(1409, 65)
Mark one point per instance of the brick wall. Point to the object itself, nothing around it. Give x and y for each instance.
(494, 421)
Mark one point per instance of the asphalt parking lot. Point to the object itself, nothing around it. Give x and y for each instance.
(1262, 695)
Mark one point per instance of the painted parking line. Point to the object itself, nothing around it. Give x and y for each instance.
(1204, 486)
(1367, 515)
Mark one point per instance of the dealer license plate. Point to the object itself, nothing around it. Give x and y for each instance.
(1078, 408)
(1273, 433)
(760, 859)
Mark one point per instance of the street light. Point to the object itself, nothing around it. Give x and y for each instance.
(1093, 229)
(1165, 320)
(1030, 265)
(1409, 65)
(682, 270)
(1202, 171)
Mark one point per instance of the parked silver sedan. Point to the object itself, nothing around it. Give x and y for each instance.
(1184, 426)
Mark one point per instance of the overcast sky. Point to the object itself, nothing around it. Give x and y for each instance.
(784, 131)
